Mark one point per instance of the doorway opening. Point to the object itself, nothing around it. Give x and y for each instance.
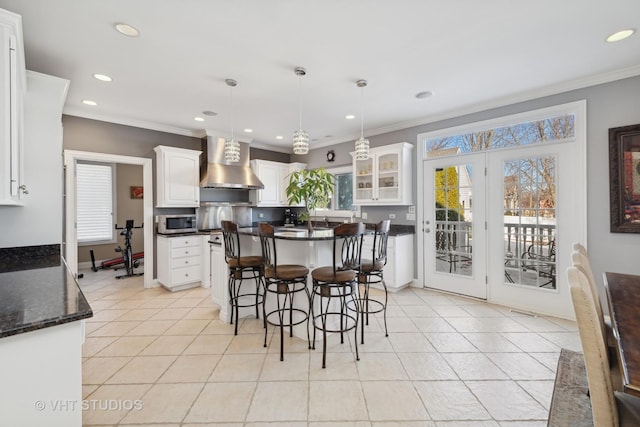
(71, 159)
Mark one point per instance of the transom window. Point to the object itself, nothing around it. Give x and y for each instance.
(550, 129)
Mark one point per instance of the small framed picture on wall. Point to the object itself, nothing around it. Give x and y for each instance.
(136, 192)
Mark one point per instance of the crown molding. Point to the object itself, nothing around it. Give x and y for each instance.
(70, 111)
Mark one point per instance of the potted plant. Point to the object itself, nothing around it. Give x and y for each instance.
(311, 187)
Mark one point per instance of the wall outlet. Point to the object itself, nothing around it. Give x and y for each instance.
(412, 209)
(364, 215)
(392, 216)
(260, 215)
(411, 217)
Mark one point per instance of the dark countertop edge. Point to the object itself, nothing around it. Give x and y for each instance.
(42, 256)
(35, 326)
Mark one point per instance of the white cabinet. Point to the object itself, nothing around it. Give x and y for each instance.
(177, 177)
(398, 272)
(12, 89)
(275, 177)
(385, 178)
(179, 262)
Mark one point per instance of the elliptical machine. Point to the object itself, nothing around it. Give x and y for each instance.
(130, 263)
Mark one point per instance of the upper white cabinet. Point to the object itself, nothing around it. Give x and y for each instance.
(177, 177)
(385, 177)
(275, 177)
(12, 89)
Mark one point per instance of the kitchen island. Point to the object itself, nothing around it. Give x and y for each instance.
(42, 312)
(294, 246)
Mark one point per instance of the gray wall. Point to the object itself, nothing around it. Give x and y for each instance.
(608, 105)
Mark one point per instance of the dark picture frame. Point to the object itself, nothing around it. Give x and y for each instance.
(624, 179)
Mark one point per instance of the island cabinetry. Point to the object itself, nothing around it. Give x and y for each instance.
(398, 272)
(12, 92)
(179, 260)
(275, 177)
(385, 177)
(219, 276)
(177, 177)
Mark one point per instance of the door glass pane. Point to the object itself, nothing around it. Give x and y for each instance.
(530, 222)
(453, 213)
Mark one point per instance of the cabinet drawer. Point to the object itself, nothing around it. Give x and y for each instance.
(185, 252)
(185, 275)
(183, 242)
(184, 262)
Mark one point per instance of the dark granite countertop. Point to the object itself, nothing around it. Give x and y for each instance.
(292, 233)
(37, 290)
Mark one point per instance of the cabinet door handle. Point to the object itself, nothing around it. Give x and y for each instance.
(186, 275)
(186, 252)
(186, 262)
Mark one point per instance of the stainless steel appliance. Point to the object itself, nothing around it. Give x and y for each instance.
(174, 224)
(218, 173)
(211, 214)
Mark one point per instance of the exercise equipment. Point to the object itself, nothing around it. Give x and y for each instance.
(128, 258)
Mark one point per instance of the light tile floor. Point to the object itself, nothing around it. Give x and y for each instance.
(448, 361)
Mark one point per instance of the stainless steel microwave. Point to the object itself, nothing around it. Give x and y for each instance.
(173, 224)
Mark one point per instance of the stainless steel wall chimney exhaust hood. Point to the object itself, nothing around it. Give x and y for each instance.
(217, 173)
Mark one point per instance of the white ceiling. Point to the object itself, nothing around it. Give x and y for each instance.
(471, 54)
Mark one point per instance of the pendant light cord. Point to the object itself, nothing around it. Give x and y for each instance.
(362, 112)
(300, 100)
(231, 95)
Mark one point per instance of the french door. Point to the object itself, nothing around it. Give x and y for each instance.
(455, 235)
(499, 225)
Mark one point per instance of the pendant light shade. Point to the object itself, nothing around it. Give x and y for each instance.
(231, 146)
(362, 144)
(300, 137)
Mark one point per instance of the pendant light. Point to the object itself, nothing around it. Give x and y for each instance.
(231, 146)
(362, 144)
(300, 137)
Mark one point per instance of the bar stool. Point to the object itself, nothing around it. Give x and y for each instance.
(241, 268)
(338, 282)
(284, 281)
(371, 272)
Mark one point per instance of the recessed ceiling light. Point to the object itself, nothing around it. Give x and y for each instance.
(328, 136)
(89, 102)
(209, 113)
(127, 30)
(620, 35)
(248, 130)
(349, 117)
(423, 95)
(279, 137)
(102, 77)
(198, 119)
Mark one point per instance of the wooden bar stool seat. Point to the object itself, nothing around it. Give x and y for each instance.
(336, 286)
(241, 268)
(372, 273)
(283, 282)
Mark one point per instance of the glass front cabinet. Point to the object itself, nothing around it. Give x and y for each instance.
(385, 177)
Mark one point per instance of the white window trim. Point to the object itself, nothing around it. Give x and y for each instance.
(579, 108)
(334, 212)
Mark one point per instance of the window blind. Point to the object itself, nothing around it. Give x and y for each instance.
(94, 202)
